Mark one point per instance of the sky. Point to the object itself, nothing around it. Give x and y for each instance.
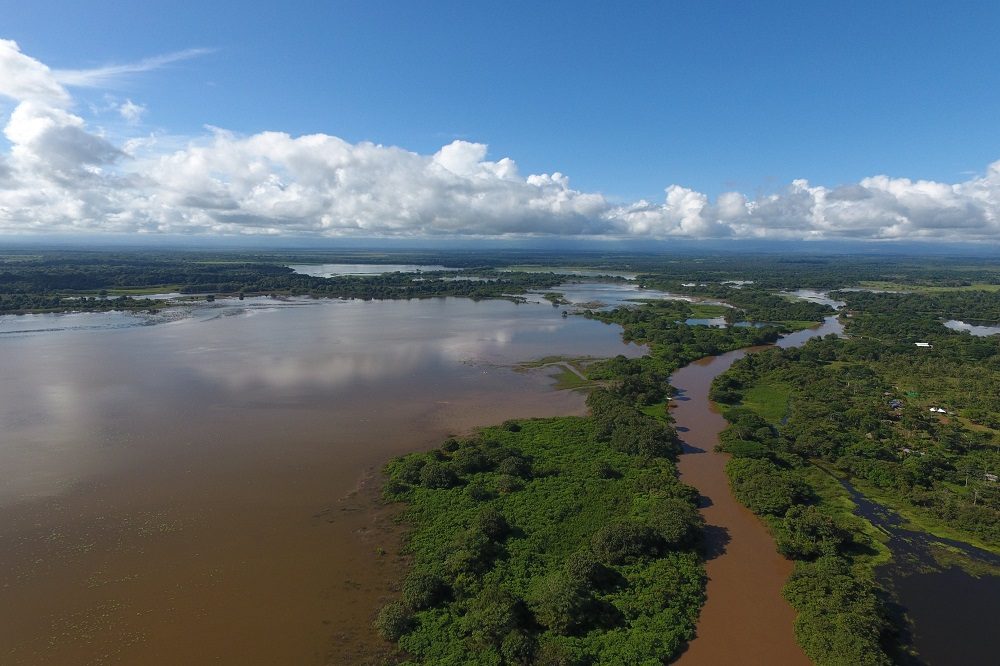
(657, 120)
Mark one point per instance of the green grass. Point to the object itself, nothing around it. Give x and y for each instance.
(707, 311)
(578, 362)
(925, 289)
(769, 399)
(142, 291)
(569, 379)
(658, 411)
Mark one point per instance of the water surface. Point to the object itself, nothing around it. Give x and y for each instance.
(979, 329)
(198, 489)
(332, 270)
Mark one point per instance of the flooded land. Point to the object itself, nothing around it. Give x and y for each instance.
(201, 490)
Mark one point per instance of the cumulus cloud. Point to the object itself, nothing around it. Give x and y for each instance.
(60, 175)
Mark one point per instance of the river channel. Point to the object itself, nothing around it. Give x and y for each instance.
(745, 620)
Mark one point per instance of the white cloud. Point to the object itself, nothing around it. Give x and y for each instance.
(62, 176)
(24, 78)
(101, 77)
(131, 112)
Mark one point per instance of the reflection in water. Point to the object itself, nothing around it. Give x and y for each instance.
(606, 295)
(182, 492)
(980, 329)
(952, 614)
(814, 296)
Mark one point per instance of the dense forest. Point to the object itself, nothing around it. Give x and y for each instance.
(914, 427)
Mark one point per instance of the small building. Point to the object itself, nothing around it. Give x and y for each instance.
(938, 410)
(924, 345)
(992, 478)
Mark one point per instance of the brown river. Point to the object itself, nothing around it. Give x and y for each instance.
(200, 490)
(745, 620)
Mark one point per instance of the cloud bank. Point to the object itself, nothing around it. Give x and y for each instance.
(59, 175)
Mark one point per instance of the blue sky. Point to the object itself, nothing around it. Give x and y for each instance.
(626, 99)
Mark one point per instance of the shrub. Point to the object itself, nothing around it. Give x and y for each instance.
(479, 492)
(517, 647)
(409, 469)
(763, 487)
(394, 490)
(557, 653)
(677, 522)
(622, 542)
(492, 523)
(394, 620)
(492, 615)
(515, 466)
(585, 567)
(604, 470)
(563, 605)
(470, 460)
(806, 533)
(423, 590)
(507, 484)
(472, 555)
(437, 475)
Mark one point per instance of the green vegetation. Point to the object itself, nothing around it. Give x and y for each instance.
(769, 399)
(564, 540)
(860, 409)
(707, 310)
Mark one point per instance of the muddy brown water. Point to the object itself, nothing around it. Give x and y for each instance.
(745, 620)
(202, 490)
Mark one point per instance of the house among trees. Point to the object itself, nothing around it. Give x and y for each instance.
(924, 345)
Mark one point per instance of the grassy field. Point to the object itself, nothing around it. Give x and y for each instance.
(769, 399)
(707, 311)
(835, 501)
(926, 289)
(143, 291)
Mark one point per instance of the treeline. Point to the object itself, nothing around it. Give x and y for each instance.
(18, 303)
(57, 282)
(660, 325)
